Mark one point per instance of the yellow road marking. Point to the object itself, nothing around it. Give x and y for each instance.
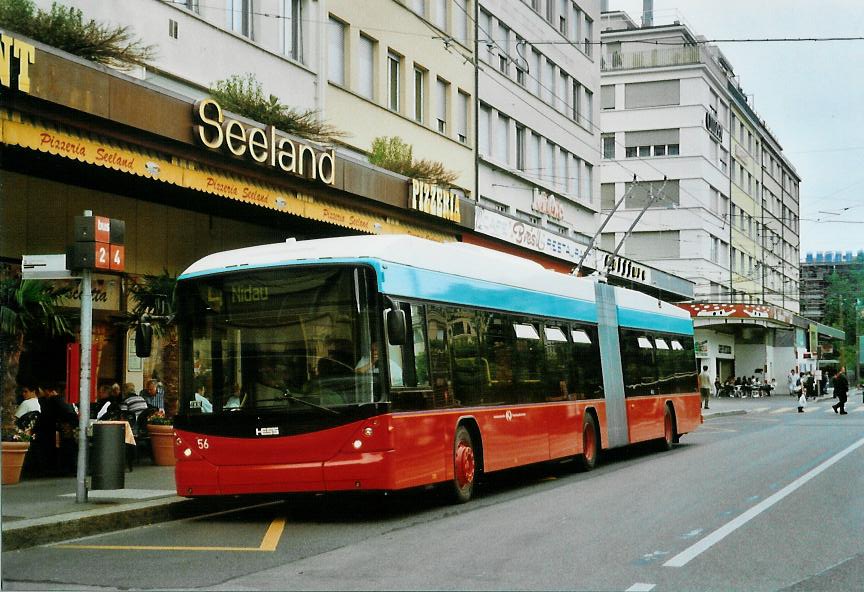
(272, 536)
(268, 543)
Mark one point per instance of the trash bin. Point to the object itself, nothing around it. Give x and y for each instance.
(108, 458)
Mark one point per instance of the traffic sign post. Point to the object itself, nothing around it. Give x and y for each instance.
(99, 244)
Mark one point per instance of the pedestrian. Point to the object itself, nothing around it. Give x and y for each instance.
(152, 395)
(841, 388)
(704, 386)
(792, 381)
(717, 386)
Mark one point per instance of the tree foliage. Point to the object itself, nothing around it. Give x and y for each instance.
(64, 27)
(842, 309)
(243, 94)
(394, 154)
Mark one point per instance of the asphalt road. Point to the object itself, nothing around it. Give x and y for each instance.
(771, 500)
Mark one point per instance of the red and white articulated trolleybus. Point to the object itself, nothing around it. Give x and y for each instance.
(391, 362)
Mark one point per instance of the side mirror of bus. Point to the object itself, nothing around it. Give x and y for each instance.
(396, 329)
(143, 340)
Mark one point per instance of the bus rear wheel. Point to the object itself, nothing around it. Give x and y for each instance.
(668, 430)
(464, 467)
(590, 444)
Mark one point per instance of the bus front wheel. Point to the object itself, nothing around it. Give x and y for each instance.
(590, 444)
(464, 467)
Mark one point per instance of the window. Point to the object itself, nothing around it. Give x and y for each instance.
(562, 104)
(394, 63)
(442, 89)
(652, 94)
(366, 67)
(483, 130)
(462, 107)
(502, 139)
(607, 96)
(292, 29)
(651, 366)
(521, 64)
(535, 74)
(548, 162)
(589, 109)
(548, 82)
(574, 176)
(562, 16)
(192, 5)
(550, 12)
(533, 162)
(485, 34)
(172, 29)
(240, 17)
(520, 147)
(439, 14)
(416, 6)
(639, 195)
(654, 244)
(419, 94)
(608, 146)
(588, 179)
(460, 21)
(589, 35)
(577, 101)
(651, 143)
(503, 50)
(336, 51)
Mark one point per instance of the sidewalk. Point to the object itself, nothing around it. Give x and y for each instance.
(37, 511)
(40, 511)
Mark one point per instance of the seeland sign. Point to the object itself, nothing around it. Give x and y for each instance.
(264, 145)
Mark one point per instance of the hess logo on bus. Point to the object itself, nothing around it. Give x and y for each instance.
(267, 431)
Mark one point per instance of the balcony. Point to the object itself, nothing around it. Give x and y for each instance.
(659, 58)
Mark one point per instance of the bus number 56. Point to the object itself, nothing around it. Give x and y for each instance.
(203, 444)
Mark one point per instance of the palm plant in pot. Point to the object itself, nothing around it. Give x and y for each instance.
(27, 307)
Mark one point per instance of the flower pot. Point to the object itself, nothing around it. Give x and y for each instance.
(13, 460)
(162, 444)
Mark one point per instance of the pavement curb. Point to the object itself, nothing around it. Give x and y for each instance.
(23, 534)
(725, 413)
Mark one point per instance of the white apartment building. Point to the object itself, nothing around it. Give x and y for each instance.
(538, 128)
(725, 198)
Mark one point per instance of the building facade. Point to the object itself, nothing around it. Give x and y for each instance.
(189, 177)
(815, 270)
(703, 188)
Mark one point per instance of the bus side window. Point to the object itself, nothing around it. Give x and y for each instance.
(439, 357)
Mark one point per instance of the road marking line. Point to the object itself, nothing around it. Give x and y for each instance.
(272, 536)
(783, 410)
(268, 543)
(760, 409)
(718, 535)
(640, 587)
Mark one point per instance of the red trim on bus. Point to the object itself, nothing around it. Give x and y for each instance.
(408, 449)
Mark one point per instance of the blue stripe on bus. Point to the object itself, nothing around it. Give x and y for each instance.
(402, 280)
(639, 319)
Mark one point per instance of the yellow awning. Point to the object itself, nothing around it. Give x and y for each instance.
(87, 148)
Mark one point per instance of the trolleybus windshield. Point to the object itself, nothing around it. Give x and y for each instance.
(294, 338)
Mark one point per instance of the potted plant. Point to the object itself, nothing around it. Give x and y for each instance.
(160, 427)
(16, 443)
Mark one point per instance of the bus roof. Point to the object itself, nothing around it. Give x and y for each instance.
(406, 254)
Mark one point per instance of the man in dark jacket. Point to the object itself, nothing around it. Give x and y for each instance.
(841, 388)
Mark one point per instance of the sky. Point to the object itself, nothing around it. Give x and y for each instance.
(810, 94)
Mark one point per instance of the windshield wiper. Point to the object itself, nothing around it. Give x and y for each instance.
(287, 396)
